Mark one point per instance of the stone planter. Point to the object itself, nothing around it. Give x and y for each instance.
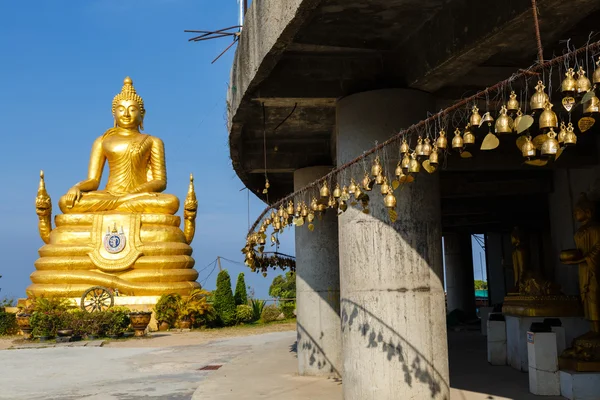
(163, 326)
(140, 321)
(23, 322)
(185, 324)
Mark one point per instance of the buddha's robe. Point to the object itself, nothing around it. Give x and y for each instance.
(587, 240)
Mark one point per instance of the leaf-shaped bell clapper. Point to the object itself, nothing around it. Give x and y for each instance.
(426, 147)
(596, 76)
(419, 147)
(337, 192)
(324, 190)
(352, 187)
(442, 141)
(550, 146)
(592, 105)
(583, 82)
(389, 200)
(539, 98)
(517, 119)
(468, 137)
(414, 164)
(504, 123)
(405, 163)
(513, 103)
(457, 140)
(562, 133)
(404, 148)
(434, 157)
(475, 119)
(385, 187)
(376, 167)
(366, 183)
(570, 137)
(314, 205)
(569, 84)
(548, 118)
(528, 148)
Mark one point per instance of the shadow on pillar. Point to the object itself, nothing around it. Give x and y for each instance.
(318, 357)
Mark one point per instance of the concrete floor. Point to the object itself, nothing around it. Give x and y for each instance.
(254, 367)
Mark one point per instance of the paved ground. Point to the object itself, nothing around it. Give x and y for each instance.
(254, 367)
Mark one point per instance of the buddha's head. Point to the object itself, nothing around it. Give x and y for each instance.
(585, 209)
(515, 237)
(128, 107)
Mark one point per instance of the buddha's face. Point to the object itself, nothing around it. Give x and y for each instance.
(128, 114)
(582, 215)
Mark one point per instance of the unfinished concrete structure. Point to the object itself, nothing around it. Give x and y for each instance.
(319, 81)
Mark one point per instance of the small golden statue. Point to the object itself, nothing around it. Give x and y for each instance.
(584, 355)
(125, 236)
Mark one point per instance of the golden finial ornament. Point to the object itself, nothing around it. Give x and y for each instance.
(376, 167)
(570, 138)
(468, 136)
(528, 148)
(352, 187)
(569, 84)
(550, 146)
(504, 123)
(457, 140)
(513, 103)
(390, 200)
(583, 82)
(539, 98)
(475, 119)
(591, 105)
(548, 118)
(404, 148)
(596, 76)
(419, 147)
(426, 150)
(43, 209)
(337, 192)
(324, 190)
(562, 133)
(190, 209)
(517, 119)
(442, 141)
(414, 164)
(434, 157)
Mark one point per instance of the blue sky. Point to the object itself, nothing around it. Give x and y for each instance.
(61, 64)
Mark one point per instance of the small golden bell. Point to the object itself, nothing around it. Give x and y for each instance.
(596, 76)
(468, 137)
(591, 106)
(337, 192)
(261, 240)
(290, 208)
(376, 168)
(513, 103)
(539, 98)
(379, 179)
(352, 187)
(562, 133)
(357, 192)
(389, 200)
(548, 117)
(457, 140)
(267, 184)
(324, 190)
(583, 83)
(314, 205)
(268, 221)
(280, 211)
(405, 162)
(528, 148)
(504, 123)
(385, 187)
(414, 164)
(398, 170)
(434, 157)
(304, 210)
(426, 147)
(404, 148)
(298, 210)
(442, 141)
(419, 148)
(475, 119)
(366, 182)
(569, 84)
(345, 193)
(487, 117)
(570, 137)
(550, 146)
(331, 203)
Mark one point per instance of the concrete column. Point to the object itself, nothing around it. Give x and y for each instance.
(495, 260)
(391, 279)
(318, 289)
(459, 273)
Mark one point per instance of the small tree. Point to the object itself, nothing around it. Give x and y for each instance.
(284, 287)
(224, 301)
(241, 297)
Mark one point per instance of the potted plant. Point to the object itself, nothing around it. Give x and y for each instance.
(140, 321)
(95, 324)
(192, 306)
(165, 311)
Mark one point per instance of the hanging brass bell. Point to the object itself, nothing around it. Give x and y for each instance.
(434, 157)
(596, 76)
(562, 133)
(366, 182)
(414, 164)
(404, 148)
(583, 83)
(475, 119)
(550, 146)
(426, 150)
(457, 140)
(528, 148)
(591, 106)
(385, 187)
(487, 117)
(513, 103)
(517, 119)
(268, 221)
(389, 200)
(442, 141)
(539, 98)
(304, 210)
(376, 168)
(398, 171)
(405, 162)
(357, 192)
(504, 123)
(570, 137)
(379, 179)
(352, 187)
(345, 193)
(314, 205)
(569, 84)
(290, 208)
(331, 203)
(280, 212)
(419, 148)
(324, 190)
(548, 118)
(337, 192)
(468, 137)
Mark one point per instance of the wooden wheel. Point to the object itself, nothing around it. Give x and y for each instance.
(97, 298)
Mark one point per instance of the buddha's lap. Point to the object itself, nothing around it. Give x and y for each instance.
(100, 201)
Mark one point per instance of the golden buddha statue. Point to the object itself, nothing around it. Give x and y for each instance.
(125, 236)
(520, 256)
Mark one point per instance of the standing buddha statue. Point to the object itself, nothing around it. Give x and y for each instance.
(125, 236)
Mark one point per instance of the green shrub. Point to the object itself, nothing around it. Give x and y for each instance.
(288, 308)
(44, 323)
(8, 324)
(50, 304)
(96, 322)
(257, 308)
(241, 297)
(209, 319)
(270, 313)
(75, 320)
(244, 313)
(224, 301)
(166, 308)
(117, 320)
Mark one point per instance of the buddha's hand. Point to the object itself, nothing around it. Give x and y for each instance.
(72, 196)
